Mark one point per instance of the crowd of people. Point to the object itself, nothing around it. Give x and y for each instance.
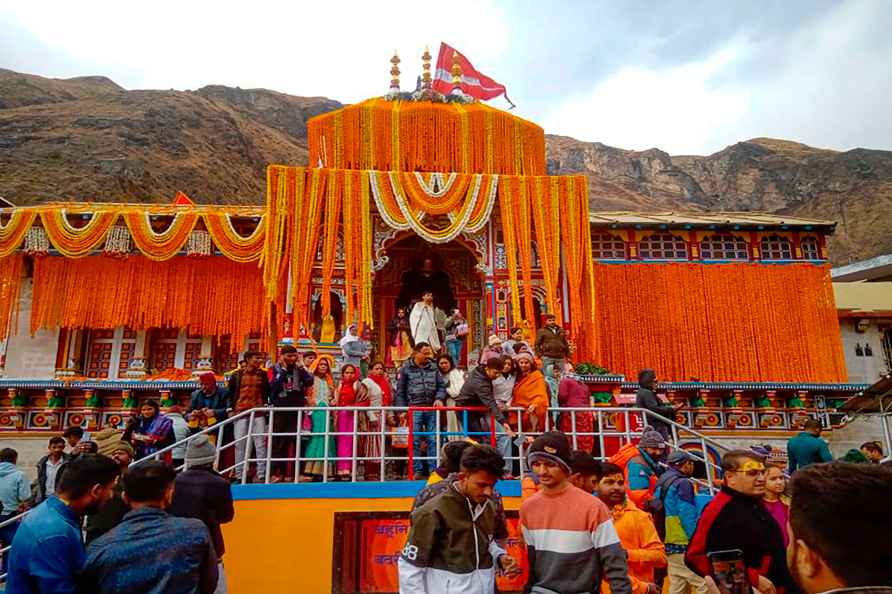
(822, 530)
(99, 524)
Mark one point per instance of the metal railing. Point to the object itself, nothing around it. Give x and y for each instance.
(382, 428)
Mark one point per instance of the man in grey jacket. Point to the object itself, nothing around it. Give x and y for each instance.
(647, 399)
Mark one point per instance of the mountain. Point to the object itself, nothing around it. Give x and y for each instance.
(86, 138)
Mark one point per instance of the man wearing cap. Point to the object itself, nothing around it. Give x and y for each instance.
(571, 541)
(643, 470)
(202, 493)
(111, 514)
(551, 344)
(677, 512)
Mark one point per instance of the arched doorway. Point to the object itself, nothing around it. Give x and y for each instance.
(448, 270)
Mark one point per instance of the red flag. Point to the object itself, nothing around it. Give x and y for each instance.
(473, 82)
(182, 200)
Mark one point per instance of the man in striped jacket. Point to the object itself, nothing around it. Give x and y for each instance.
(570, 537)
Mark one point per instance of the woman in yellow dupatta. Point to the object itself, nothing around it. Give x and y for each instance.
(530, 393)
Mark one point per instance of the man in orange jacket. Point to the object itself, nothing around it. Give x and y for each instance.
(635, 528)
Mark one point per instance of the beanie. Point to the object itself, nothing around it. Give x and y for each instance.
(552, 446)
(678, 457)
(651, 438)
(123, 446)
(200, 452)
(494, 340)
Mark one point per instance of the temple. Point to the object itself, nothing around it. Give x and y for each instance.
(102, 305)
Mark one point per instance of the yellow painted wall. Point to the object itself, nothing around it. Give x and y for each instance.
(285, 546)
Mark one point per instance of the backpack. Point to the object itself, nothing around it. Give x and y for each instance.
(656, 506)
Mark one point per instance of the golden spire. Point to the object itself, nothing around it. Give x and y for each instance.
(456, 69)
(395, 73)
(426, 69)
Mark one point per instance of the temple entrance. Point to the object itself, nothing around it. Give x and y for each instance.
(448, 270)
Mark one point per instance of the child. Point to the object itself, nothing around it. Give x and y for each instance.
(314, 469)
(570, 537)
(775, 485)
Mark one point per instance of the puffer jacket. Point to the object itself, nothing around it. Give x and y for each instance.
(551, 341)
(477, 391)
(419, 386)
(451, 547)
(680, 508)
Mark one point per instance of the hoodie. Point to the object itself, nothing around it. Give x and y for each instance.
(14, 488)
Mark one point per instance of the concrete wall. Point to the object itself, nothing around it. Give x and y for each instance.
(854, 434)
(30, 449)
(30, 356)
(863, 369)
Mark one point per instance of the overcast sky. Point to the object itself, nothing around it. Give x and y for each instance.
(687, 77)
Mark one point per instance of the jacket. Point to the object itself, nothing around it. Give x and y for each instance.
(680, 508)
(572, 544)
(180, 428)
(41, 476)
(47, 551)
(219, 402)
(151, 552)
(477, 391)
(639, 538)
(203, 494)
(437, 487)
(108, 516)
(235, 382)
(641, 478)
(451, 547)
(419, 386)
(551, 341)
(733, 520)
(805, 449)
(289, 388)
(14, 488)
(647, 399)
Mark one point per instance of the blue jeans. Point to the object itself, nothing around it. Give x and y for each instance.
(424, 421)
(503, 444)
(6, 535)
(453, 347)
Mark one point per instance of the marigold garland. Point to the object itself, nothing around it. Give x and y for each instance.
(423, 136)
(209, 296)
(715, 322)
(230, 243)
(11, 271)
(77, 242)
(164, 245)
(330, 239)
(12, 234)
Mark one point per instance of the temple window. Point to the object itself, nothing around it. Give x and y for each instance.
(723, 247)
(663, 246)
(775, 247)
(109, 353)
(172, 348)
(810, 249)
(226, 359)
(608, 247)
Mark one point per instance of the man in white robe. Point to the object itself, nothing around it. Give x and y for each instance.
(423, 322)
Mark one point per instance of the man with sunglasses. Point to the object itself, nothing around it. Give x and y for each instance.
(737, 519)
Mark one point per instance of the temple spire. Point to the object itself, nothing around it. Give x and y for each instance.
(456, 74)
(395, 74)
(426, 69)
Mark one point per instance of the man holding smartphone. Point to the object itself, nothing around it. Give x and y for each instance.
(737, 519)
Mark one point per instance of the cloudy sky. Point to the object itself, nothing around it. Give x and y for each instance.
(688, 77)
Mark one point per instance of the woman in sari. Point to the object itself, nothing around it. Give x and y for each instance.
(350, 392)
(323, 381)
(315, 451)
(399, 338)
(530, 393)
(575, 394)
(150, 432)
(379, 394)
(454, 379)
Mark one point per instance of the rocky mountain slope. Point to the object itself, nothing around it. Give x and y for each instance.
(88, 139)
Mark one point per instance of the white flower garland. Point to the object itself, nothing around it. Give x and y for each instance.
(118, 240)
(199, 243)
(437, 180)
(36, 241)
(490, 202)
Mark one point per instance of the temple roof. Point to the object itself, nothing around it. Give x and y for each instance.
(709, 220)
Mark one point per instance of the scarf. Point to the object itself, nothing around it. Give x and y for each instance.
(158, 428)
(386, 389)
(349, 335)
(531, 389)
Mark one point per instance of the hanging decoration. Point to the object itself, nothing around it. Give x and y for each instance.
(577, 250)
(209, 297)
(331, 227)
(232, 244)
(714, 322)
(11, 271)
(409, 136)
(163, 245)
(117, 242)
(546, 219)
(199, 244)
(13, 232)
(36, 242)
(76, 242)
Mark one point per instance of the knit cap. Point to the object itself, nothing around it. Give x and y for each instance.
(651, 438)
(678, 457)
(552, 446)
(123, 446)
(200, 452)
(494, 340)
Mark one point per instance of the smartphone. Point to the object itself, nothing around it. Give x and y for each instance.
(729, 572)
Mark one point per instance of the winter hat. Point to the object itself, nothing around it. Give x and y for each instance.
(551, 446)
(678, 457)
(651, 438)
(494, 340)
(525, 355)
(200, 452)
(123, 446)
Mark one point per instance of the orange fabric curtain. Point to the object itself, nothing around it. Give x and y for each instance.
(10, 282)
(719, 322)
(211, 296)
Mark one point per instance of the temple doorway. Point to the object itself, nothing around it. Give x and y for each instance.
(448, 270)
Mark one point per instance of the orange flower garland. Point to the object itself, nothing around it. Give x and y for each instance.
(11, 271)
(164, 245)
(718, 322)
(13, 232)
(77, 242)
(211, 297)
(330, 238)
(232, 245)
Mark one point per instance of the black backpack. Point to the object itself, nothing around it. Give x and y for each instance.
(656, 506)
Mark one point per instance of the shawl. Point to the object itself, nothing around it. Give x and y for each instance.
(158, 428)
(349, 335)
(531, 389)
(386, 389)
(354, 394)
